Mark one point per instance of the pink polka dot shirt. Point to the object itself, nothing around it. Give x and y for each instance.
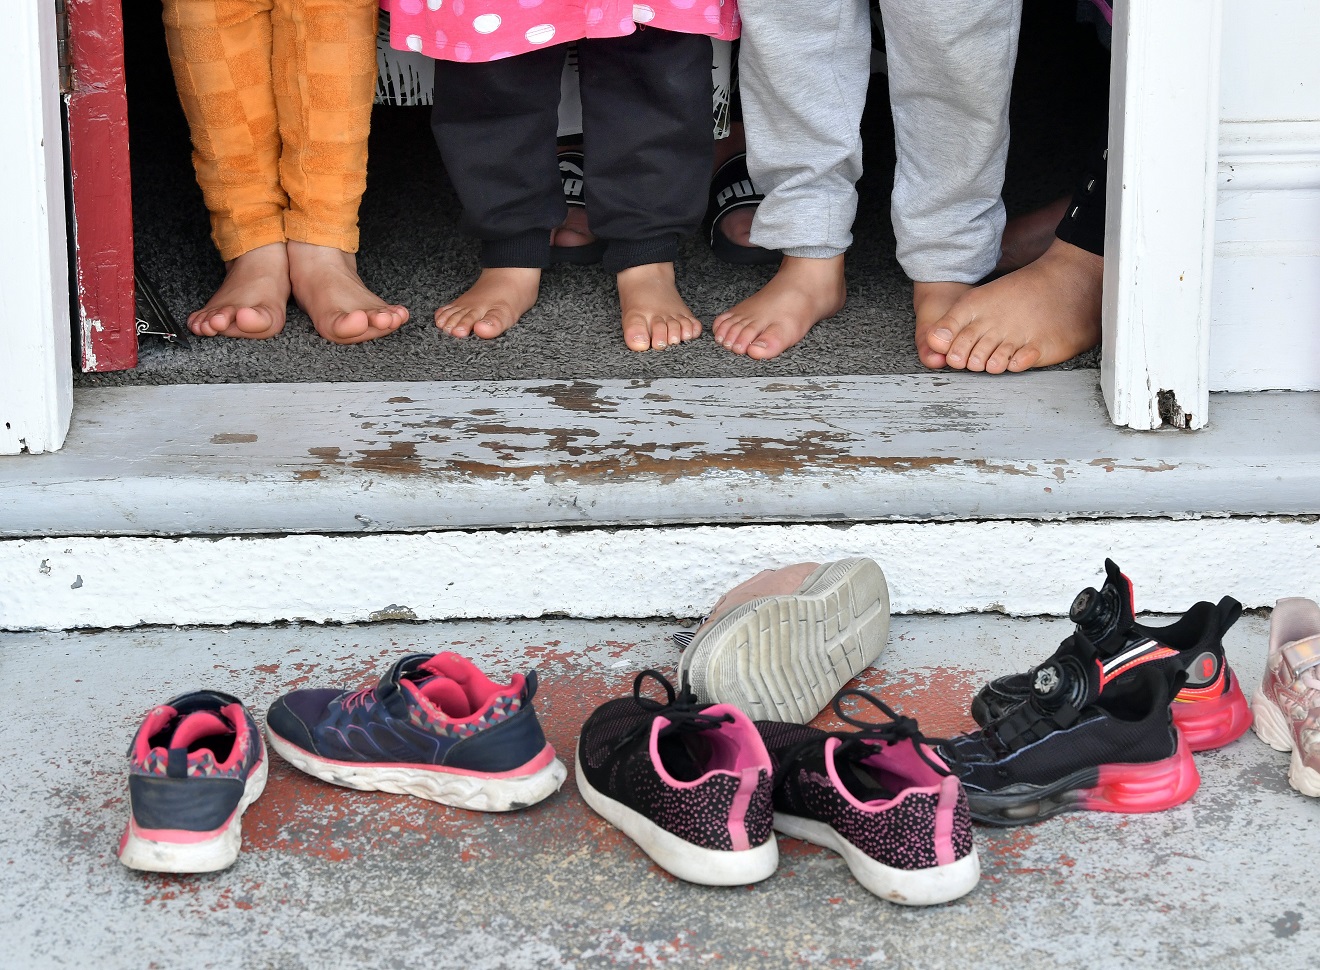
(486, 30)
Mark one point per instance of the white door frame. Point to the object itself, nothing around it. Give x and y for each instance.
(1164, 112)
(36, 369)
(1163, 164)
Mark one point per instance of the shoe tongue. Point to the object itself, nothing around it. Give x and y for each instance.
(1105, 616)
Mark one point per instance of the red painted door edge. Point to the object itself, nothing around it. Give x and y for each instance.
(102, 230)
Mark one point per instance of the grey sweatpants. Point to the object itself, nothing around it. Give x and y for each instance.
(803, 69)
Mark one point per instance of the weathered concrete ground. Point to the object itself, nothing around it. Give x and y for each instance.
(330, 877)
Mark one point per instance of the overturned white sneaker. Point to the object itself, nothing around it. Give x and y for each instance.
(782, 644)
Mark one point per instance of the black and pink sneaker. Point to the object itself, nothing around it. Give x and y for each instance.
(195, 765)
(1108, 645)
(689, 783)
(882, 799)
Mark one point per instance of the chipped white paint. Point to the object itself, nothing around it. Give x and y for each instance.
(1012, 567)
(355, 458)
(1163, 120)
(36, 374)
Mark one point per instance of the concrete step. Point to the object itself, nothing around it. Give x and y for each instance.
(333, 877)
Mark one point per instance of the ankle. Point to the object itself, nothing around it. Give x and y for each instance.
(646, 273)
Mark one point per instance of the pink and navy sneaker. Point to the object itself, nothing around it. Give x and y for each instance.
(434, 726)
(882, 799)
(1108, 645)
(196, 764)
(689, 783)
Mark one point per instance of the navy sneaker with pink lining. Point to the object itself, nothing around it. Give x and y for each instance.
(881, 798)
(689, 783)
(434, 726)
(195, 765)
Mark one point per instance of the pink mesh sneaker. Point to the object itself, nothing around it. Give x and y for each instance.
(1287, 706)
(881, 798)
(688, 782)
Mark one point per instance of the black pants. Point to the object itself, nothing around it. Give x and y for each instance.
(646, 138)
(1083, 224)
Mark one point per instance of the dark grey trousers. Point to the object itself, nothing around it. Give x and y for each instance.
(646, 121)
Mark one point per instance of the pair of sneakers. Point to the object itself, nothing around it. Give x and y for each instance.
(434, 726)
(701, 788)
(1109, 721)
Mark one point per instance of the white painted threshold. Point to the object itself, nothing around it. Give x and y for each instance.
(222, 460)
(346, 503)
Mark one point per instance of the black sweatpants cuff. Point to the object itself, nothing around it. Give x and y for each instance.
(1083, 225)
(528, 250)
(625, 254)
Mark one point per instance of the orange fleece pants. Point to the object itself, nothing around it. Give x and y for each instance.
(278, 97)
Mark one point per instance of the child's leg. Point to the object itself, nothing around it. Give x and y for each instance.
(646, 120)
(950, 76)
(1044, 313)
(220, 53)
(495, 125)
(803, 71)
(324, 64)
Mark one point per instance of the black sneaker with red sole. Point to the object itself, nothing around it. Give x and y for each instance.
(1119, 752)
(1108, 645)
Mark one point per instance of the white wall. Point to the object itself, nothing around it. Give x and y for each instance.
(1266, 291)
(36, 371)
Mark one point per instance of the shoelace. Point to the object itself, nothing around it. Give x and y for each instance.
(358, 698)
(860, 744)
(680, 709)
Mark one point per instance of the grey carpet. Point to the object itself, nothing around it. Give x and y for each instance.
(413, 254)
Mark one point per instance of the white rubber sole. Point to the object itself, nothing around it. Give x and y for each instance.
(1273, 727)
(474, 792)
(910, 887)
(784, 658)
(214, 854)
(678, 857)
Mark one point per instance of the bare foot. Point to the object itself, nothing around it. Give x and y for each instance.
(251, 301)
(1026, 237)
(574, 230)
(1045, 313)
(932, 301)
(328, 288)
(493, 304)
(803, 292)
(654, 315)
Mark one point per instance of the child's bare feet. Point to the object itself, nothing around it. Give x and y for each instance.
(931, 301)
(1026, 237)
(802, 293)
(343, 311)
(1045, 313)
(654, 315)
(251, 301)
(493, 304)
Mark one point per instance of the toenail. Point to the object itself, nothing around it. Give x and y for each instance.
(943, 334)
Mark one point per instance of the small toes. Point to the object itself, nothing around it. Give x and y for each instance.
(637, 336)
(940, 339)
(999, 360)
(1024, 359)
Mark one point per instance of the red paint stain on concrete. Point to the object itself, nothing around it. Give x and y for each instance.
(938, 697)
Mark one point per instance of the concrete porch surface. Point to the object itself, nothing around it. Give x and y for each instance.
(330, 877)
